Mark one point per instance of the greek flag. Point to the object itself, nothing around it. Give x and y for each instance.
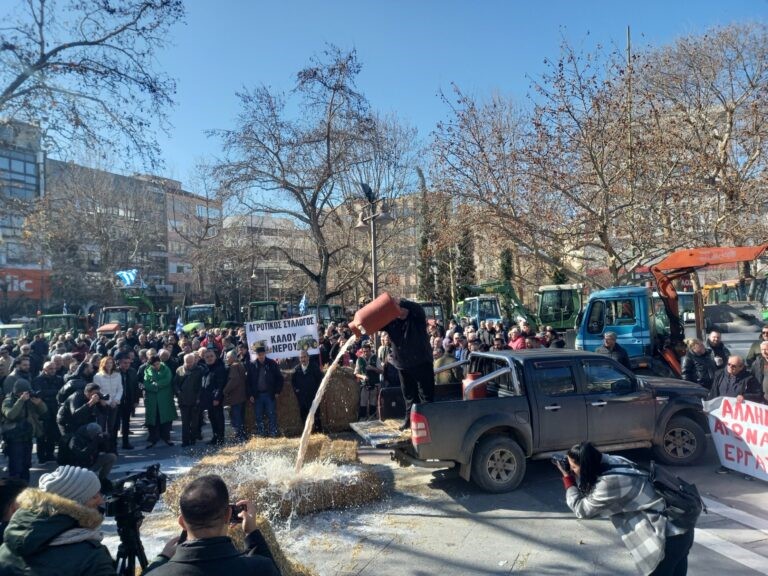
(127, 277)
(179, 326)
(303, 304)
(64, 310)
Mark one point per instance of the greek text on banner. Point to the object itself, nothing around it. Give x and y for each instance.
(740, 433)
(283, 338)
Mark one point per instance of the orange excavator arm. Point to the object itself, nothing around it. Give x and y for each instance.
(690, 260)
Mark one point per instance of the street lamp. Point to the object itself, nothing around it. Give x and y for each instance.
(368, 218)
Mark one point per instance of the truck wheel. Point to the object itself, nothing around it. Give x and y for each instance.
(683, 442)
(498, 464)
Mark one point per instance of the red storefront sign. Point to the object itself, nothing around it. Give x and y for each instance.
(33, 284)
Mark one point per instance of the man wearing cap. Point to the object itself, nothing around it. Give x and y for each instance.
(55, 530)
(265, 381)
(22, 413)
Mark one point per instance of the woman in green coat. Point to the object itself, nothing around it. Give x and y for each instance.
(160, 411)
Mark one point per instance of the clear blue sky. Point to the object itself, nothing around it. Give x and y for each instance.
(409, 49)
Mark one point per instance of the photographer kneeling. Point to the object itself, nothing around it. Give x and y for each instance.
(87, 448)
(55, 529)
(205, 517)
(604, 485)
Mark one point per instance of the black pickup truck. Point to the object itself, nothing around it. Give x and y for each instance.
(536, 403)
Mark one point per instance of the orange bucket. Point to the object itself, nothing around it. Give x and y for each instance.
(374, 316)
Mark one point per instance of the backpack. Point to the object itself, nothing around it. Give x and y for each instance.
(683, 503)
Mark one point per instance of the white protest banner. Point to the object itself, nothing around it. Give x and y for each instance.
(283, 338)
(740, 432)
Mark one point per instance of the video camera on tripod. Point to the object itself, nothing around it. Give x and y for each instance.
(139, 491)
(133, 495)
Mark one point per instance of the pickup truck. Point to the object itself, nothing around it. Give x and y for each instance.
(536, 403)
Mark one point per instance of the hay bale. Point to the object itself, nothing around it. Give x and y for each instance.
(287, 566)
(289, 420)
(339, 406)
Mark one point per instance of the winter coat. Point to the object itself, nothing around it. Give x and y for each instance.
(618, 353)
(274, 378)
(158, 396)
(110, 384)
(188, 384)
(130, 382)
(236, 388)
(53, 536)
(22, 419)
(753, 353)
(699, 368)
(744, 384)
(634, 508)
(213, 383)
(760, 372)
(408, 338)
(215, 556)
(48, 387)
(75, 412)
(70, 387)
(11, 379)
(305, 385)
(719, 351)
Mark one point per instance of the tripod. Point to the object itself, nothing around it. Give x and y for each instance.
(130, 547)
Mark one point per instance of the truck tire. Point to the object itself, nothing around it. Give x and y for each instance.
(683, 442)
(498, 464)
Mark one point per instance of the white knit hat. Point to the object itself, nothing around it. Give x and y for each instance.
(78, 484)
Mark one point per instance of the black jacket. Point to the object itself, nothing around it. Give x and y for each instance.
(48, 387)
(215, 556)
(409, 338)
(75, 413)
(699, 368)
(618, 353)
(744, 384)
(274, 378)
(305, 385)
(759, 371)
(188, 384)
(213, 382)
(131, 391)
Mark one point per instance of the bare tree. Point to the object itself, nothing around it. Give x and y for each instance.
(93, 223)
(302, 168)
(84, 71)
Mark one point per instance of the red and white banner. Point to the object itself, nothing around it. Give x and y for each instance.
(740, 432)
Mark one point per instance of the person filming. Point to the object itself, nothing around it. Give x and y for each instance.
(206, 515)
(596, 487)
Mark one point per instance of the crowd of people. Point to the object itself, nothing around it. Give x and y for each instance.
(74, 397)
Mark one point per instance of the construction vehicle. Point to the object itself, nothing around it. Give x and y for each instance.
(753, 291)
(559, 305)
(263, 310)
(494, 301)
(653, 333)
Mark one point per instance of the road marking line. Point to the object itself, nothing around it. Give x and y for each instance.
(737, 515)
(731, 551)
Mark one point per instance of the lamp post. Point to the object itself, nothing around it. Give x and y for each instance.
(369, 218)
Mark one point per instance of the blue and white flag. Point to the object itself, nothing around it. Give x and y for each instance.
(64, 311)
(303, 304)
(179, 326)
(127, 277)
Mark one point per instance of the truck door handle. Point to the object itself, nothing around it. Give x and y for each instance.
(601, 403)
(552, 407)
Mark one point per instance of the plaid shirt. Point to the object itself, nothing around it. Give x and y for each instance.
(635, 509)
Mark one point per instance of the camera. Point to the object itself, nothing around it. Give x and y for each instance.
(104, 397)
(234, 517)
(137, 492)
(561, 459)
(34, 394)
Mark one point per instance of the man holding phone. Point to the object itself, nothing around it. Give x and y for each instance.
(206, 549)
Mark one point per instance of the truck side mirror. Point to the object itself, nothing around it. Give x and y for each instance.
(623, 386)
